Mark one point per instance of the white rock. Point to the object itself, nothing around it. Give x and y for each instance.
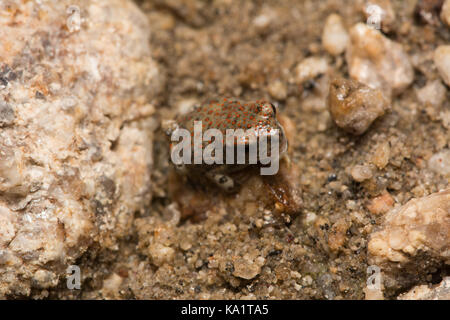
(334, 37)
(278, 90)
(442, 62)
(440, 162)
(445, 13)
(377, 61)
(433, 93)
(361, 173)
(161, 254)
(310, 68)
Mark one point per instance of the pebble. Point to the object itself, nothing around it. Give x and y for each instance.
(310, 68)
(445, 13)
(377, 61)
(161, 254)
(355, 106)
(440, 162)
(381, 204)
(381, 155)
(335, 38)
(247, 269)
(433, 93)
(278, 90)
(442, 62)
(361, 173)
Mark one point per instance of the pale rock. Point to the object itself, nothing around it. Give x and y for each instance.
(426, 292)
(361, 173)
(161, 254)
(311, 68)
(440, 162)
(433, 93)
(442, 62)
(445, 13)
(278, 90)
(75, 139)
(412, 240)
(377, 61)
(334, 37)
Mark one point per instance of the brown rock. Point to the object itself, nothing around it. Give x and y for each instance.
(354, 106)
(381, 204)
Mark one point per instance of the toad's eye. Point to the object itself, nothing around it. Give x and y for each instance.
(274, 109)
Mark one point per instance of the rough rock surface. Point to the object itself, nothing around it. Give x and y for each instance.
(75, 84)
(442, 62)
(424, 292)
(445, 13)
(414, 240)
(377, 61)
(354, 106)
(433, 93)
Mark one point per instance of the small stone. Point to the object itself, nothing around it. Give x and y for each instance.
(361, 173)
(445, 13)
(433, 93)
(337, 235)
(161, 254)
(440, 162)
(311, 68)
(307, 280)
(442, 62)
(247, 269)
(354, 106)
(377, 61)
(382, 155)
(263, 21)
(112, 284)
(334, 37)
(382, 204)
(278, 90)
